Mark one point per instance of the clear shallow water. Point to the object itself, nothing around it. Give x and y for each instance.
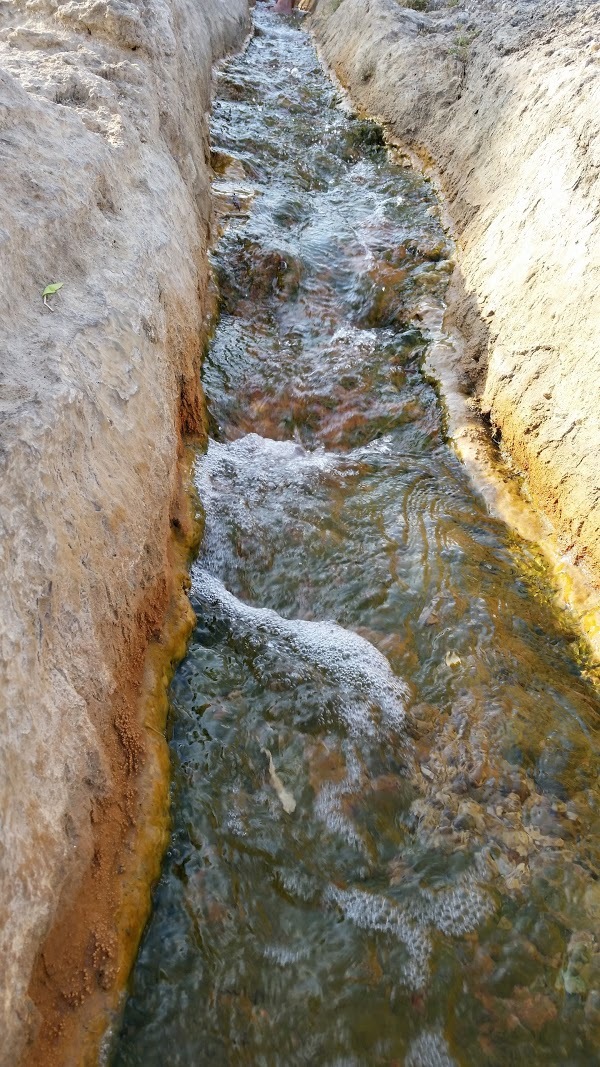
(385, 839)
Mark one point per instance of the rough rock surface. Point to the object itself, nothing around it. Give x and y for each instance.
(105, 187)
(503, 99)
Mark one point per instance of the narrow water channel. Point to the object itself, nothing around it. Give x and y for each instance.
(385, 843)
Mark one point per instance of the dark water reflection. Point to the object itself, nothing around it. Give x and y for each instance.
(385, 758)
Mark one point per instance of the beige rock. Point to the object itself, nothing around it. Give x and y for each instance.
(513, 129)
(105, 187)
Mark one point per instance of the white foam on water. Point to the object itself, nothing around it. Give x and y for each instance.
(284, 955)
(297, 882)
(357, 337)
(235, 825)
(329, 804)
(429, 1049)
(255, 487)
(348, 349)
(370, 912)
(234, 479)
(378, 446)
(328, 808)
(369, 698)
(454, 912)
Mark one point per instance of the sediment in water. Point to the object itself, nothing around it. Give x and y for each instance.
(507, 125)
(106, 189)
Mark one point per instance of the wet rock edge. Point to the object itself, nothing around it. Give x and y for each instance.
(520, 365)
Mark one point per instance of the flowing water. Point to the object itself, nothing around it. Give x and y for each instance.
(385, 843)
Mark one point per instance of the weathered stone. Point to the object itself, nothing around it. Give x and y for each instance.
(105, 188)
(495, 116)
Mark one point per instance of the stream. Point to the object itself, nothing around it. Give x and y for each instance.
(385, 831)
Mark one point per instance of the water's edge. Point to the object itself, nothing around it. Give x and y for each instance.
(230, 626)
(491, 469)
(77, 986)
(453, 124)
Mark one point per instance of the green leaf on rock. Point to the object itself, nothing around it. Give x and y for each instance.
(52, 288)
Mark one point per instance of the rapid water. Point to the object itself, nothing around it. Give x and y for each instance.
(385, 842)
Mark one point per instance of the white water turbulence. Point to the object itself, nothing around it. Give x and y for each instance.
(366, 695)
(370, 701)
(386, 818)
(242, 484)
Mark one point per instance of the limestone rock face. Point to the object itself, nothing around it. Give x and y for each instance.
(104, 183)
(504, 101)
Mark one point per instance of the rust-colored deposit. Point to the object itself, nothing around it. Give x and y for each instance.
(81, 971)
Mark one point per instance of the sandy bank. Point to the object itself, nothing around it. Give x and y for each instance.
(503, 100)
(105, 187)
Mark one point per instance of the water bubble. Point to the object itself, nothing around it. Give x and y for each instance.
(368, 695)
(429, 1049)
